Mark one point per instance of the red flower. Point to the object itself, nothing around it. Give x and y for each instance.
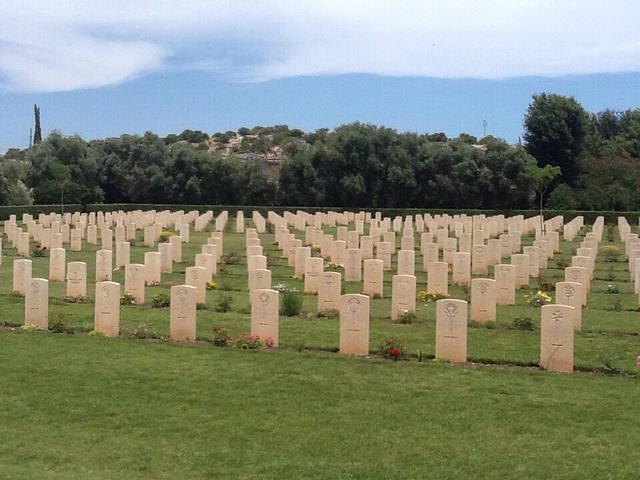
(393, 352)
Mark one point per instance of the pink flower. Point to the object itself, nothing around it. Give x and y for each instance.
(638, 361)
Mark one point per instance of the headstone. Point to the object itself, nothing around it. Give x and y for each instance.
(265, 308)
(77, 280)
(182, 315)
(134, 282)
(36, 303)
(92, 235)
(570, 293)
(176, 248)
(366, 246)
(329, 291)
(354, 324)
(534, 259)
(556, 338)
(123, 254)
(256, 262)
(166, 257)
(57, 264)
(438, 278)
(406, 262)
(208, 262)
(373, 278)
(300, 256)
(451, 330)
(197, 277)
(430, 255)
(76, 240)
(403, 295)
(259, 280)
(462, 268)
(107, 239)
(211, 250)
(104, 265)
(107, 309)
(407, 243)
(449, 248)
(313, 268)
(505, 276)
(483, 300)
(521, 262)
(21, 275)
(149, 236)
(23, 244)
(383, 252)
(353, 265)
(152, 271)
(578, 275)
(120, 234)
(479, 260)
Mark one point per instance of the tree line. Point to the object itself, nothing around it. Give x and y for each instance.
(354, 165)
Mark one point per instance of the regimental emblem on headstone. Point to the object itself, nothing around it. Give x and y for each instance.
(353, 305)
(264, 299)
(568, 291)
(451, 310)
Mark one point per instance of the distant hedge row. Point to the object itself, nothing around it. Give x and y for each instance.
(589, 215)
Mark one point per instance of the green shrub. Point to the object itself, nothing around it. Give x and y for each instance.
(59, 326)
(608, 368)
(610, 253)
(328, 314)
(290, 303)
(224, 304)
(145, 331)
(161, 300)
(522, 323)
(406, 317)
(39, 252)
(231, 258)
(220, 337)
(127, 299)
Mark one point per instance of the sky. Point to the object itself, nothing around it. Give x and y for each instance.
(101, 68)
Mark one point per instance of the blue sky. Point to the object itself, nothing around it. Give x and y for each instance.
(105, 68)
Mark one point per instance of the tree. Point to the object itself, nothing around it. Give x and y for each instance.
(555, 128)
(37, 133)
(542, 179)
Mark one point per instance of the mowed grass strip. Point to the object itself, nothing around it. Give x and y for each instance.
(92, 408)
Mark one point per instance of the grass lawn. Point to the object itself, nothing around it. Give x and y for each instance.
(92, 408)
(80, 407)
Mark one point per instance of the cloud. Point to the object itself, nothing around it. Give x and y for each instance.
(48, 45)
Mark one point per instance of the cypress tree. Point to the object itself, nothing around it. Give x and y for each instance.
(37, 134)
